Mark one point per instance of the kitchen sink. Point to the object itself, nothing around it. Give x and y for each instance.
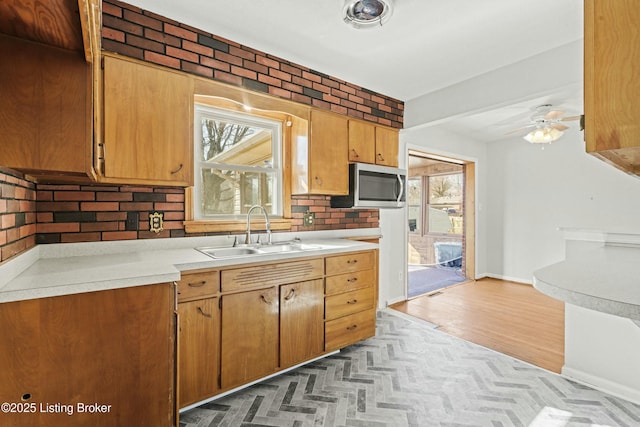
(228, 252)
(247, 251)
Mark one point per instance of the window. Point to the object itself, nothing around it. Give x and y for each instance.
(444, 204)
(237, 164)
(414, 195)
(435, 204)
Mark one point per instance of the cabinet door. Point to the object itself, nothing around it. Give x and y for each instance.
(301, 322)
(199, 349)
(362, 142)
(386, 147)
(611, 61)
(328, 165)
(115, 348)
(249, 336)
(43, 114)
(147, 124)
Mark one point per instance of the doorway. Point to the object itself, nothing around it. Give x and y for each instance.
(438, 213)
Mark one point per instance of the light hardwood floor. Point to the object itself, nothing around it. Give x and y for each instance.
(508, 317)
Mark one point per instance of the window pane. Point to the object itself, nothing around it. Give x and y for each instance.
(238, 158)
(232, 192)
(445, 203)
(414, 194)
(235, 144)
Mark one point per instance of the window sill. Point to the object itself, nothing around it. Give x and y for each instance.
(217, 226)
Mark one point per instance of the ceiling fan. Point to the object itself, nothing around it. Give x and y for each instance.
(547, 125)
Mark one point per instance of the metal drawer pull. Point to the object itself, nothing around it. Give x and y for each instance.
(290, 295)
(351, 328)
(352, 280)
(203, 313)
(352, 261)
(197, 285)
(353, 301)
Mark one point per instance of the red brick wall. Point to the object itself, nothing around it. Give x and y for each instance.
(17, 214)
(73, 213)
(137, 33)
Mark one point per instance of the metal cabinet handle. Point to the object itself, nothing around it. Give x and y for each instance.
(290, 295)
(201, 311)
(352, 261)
(353, 301)
(355, 153)
(177, 170)
(351, 328)
(352, 280)
(197, 285)
(265, 300)
(380, 157)
(318, 180)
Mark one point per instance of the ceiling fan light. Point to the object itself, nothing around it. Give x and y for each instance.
(545, 135)
(367, 13)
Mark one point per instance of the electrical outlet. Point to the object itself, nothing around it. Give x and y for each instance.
(308, 218)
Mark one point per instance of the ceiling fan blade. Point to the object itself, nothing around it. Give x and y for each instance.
(570, 118)
(520, 129)
(553, 115)
(559, 126)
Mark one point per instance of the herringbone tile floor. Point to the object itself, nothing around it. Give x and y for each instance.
(411, 374)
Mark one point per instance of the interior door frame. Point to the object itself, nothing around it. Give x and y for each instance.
(469, 233)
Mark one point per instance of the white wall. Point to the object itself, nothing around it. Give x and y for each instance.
(524, 194)
(531, 192)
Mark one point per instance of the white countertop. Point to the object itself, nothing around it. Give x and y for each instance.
(601, 272)
(62, 269)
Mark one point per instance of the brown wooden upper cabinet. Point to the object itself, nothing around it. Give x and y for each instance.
(44, 119)
(319, 163)
(611, 86)
(147, 125)
(369, 143)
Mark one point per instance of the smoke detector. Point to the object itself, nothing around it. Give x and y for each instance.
(367, 13)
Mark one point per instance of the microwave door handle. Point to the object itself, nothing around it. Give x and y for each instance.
(401, 189)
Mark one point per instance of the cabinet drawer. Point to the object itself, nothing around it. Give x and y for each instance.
(196, 285)
(350, 281)
(272, 274)
(348, 303)
(349, 262)
(347, 330)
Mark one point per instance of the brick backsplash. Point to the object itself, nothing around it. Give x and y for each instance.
(328, 218)
(17, 214)
(140, 34)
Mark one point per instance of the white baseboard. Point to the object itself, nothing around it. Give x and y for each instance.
(602, 384)
(395, 300)
(509, 278)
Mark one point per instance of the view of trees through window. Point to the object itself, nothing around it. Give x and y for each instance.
(238, 162)
(435, 203)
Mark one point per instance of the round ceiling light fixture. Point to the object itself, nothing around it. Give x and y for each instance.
(367, 13)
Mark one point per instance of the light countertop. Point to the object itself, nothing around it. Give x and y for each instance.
(62, 269)
(601, 272)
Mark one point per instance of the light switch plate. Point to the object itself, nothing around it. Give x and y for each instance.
(156, 221)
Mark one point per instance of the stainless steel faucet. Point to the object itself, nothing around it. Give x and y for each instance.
(266, 220)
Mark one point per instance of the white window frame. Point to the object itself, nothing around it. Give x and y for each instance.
(206, 112)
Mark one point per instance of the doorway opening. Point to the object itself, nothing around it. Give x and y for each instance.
(438, 215)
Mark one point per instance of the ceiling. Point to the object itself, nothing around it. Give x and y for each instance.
(427, 45)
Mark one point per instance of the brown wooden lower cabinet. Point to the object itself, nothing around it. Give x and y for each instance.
(93, 359)
(301, 322)
(271, 316)
(249, 336)
(199, 350)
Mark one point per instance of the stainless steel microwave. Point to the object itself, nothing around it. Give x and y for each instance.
(373, 186)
